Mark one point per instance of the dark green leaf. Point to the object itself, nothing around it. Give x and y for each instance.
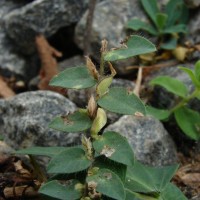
(189, 122)
(178, 28)
(116, 167)
(171, 84)
(136, 45)
(75, 77)
(191, 75)
(172, 192)
(174, 11)
(157, 113)
(136, 24)
(151, 8)
(107, 183)
(149, 180)
(64, 192)
(76, 122)
(120, 101)
(69, 161)
(115, 147)
(161, 20)
(130, 195)
(42, 151)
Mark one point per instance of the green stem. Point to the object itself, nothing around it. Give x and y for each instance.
(185, 100)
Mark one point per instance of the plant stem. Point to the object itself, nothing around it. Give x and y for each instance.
(185, 100)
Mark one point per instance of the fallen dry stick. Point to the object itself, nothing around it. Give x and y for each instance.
(49, 64)
(5, 90)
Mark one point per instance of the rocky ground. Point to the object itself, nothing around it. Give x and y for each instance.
(27, 105)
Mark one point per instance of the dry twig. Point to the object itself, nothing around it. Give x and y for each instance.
(5, 90)
(49, 64)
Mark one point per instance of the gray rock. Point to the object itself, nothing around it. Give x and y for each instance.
(194, 28)
(10, 61)
(151, 143)
(71, 62)
(41, 16)
(24, 120)
(109, 21)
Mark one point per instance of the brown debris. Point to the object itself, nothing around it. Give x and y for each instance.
(49, 67)
(16, 180)
(5, 90)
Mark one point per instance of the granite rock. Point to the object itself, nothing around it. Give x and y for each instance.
(41, 16)
(110, 17)
(151, 143)
(24, 120)
(11, 63)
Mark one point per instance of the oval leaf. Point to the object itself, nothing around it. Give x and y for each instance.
(191, 75)
(107, 183)
(151, 8)
(171, 84)
(158, 113)
(42, 151)
(137, 24)
(172, 192)
(75, 77)
(64, 192)
(76, 122)
(69, 161)
(189, 122)
(145, 179)
(136, 45)
(118, 100)
(115, 147)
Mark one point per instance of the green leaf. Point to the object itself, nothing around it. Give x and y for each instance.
(157, 113)
(151, 8)
(189, 122)
(103, 85)
(172, 192)
(161, 20)
(177, 12)
(76, 122)
(136, 24)
(171, 84)
(197, 71)
(99, 122)
(173, 10)
(130, 195)
(115, 147)
(178, 28)
(116, 167)
(148, 180)
(42, 151)
(120, 101)
(57, 190)
(136, 45)
(107, 183)
(170, 44)
(191, 75)
(69, 161)
(75, 77)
